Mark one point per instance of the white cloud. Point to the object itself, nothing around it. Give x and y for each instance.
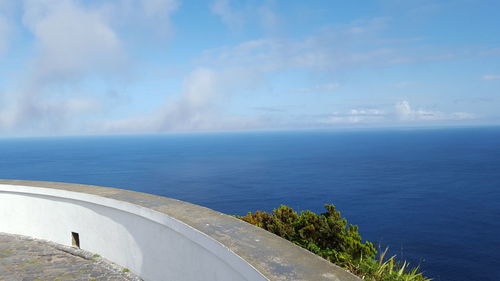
(148, 19)
(269, 19)
(229, 16)
(47, 116)
(402, 112)
(197, 107)
(404, 84)
(491, 77)
(5, 27)
(355, 116)
(193, 107)
(354, 45)
(237, 15)
(71, 38)
(320, 88)
(494, 51)
(159, 8)
(367, 112)
(462, 116)
(74, 40)
(4, 34)
(406, 113)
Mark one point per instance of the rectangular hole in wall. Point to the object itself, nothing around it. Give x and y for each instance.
(75, 239)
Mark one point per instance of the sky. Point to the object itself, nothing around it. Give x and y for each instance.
(84, 67)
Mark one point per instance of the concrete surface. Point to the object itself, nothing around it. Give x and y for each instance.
(156, 237)
(27, 259)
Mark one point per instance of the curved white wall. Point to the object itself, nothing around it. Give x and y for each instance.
(151, 244)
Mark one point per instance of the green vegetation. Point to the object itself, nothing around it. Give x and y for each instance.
(331, 237)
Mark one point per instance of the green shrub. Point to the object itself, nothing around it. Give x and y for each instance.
(331, 237)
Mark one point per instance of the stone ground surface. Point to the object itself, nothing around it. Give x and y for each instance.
(26, 259)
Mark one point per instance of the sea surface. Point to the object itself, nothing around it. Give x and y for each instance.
(431, 195)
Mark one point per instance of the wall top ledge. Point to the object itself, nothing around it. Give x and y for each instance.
(276, 258)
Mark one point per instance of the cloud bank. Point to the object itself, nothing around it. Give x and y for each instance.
(406, 113)
(401, 112)
(73, 41)
(81, 51)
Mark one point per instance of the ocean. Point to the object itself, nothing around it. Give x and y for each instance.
(431, 195)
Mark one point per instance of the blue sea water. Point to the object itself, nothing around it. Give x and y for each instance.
(431, 195)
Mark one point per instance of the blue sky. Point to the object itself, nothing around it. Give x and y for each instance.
(143, 66)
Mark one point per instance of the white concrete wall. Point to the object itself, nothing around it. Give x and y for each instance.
(149, 243)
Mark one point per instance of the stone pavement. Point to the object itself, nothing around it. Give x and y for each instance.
(26, 259)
